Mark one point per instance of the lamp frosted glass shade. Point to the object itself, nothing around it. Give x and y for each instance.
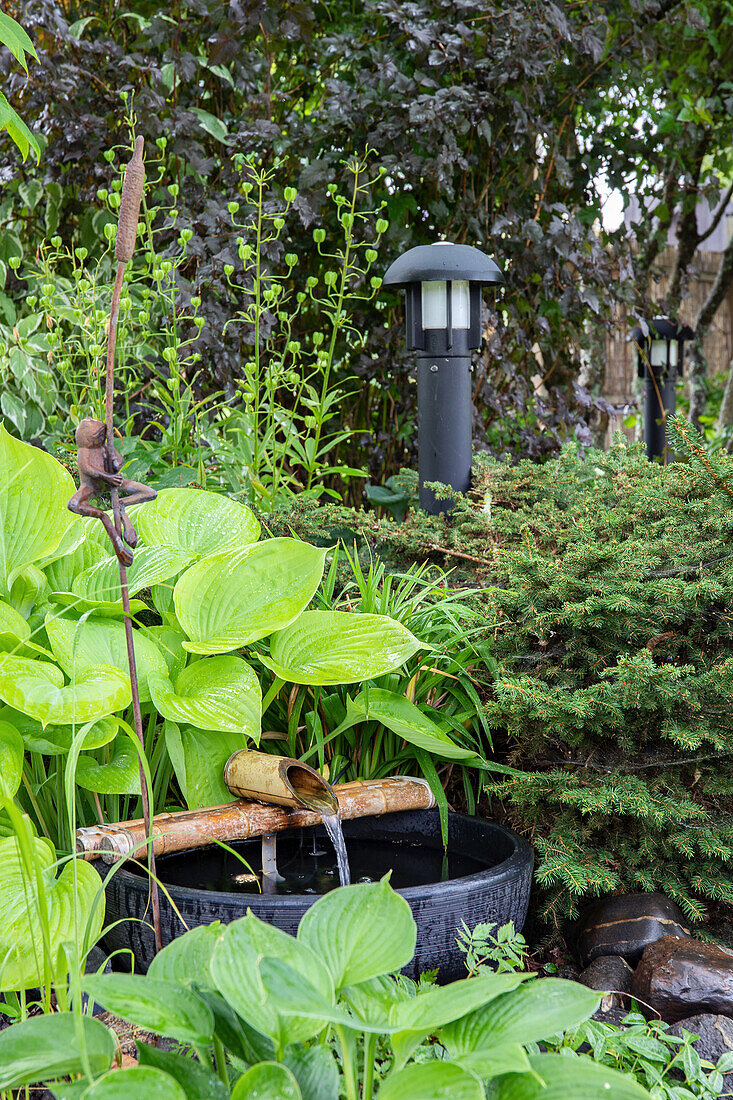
(435, 304)
(658, 353)
(459, 304)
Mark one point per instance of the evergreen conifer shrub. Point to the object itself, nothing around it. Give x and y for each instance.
(609, 607)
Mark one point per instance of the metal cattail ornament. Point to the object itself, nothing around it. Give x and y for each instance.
(132, 193)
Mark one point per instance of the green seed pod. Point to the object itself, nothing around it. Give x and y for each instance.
(132, 193)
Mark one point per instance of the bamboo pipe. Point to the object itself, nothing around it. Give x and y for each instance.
(278, 779)
(242, 820)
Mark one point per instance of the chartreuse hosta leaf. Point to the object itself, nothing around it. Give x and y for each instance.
(12, 624)
(196, 522)
(42, 1048)
(198, 758)
(151, 565)
(234, 968)
(555, 1077)
(120, 774)
(12, 751)
(57, 740)
(398, 714)
(338, 647)
(21, 932)
(216, 693)
(34, 490)
(229, 600)
(167, 1008)
(37, 689)
(432, 1081)
(267, 1079)
(362, 931)
(79, 550)
(81, 646)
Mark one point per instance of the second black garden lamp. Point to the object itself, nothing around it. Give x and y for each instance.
(442, 284)
(659, 356)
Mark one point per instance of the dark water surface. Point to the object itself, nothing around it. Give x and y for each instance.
(307, 864)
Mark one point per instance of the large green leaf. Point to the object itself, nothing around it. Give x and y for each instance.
(78, 550)
(234, 968)
(12, 751)
(432, 1081)
(507, 1058)
(170, 643)
(81, 646)
(196, 522)
(37, 688)
(337, 647)
(268, 1079)
(118, 775)
(41, 1048)
(28, 588)
(536, 1011)
(217, 693)
(187, 957)
(361, 931)
(151, 565)
(198, 758)
(12, 624)
(229, 600)
(133, 1083)
(438, 1005)
(314, 1068)
(291, 994)
(197, 1081)
(567, 1078)
(21, 934)
(401, 716)
(34, 490)
(57, 740)
(167, 1008)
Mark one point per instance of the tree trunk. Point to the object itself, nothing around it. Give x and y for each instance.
(725, 416)
(697, 363)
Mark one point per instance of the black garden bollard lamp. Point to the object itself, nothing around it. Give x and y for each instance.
(442, 285)
(659, 362)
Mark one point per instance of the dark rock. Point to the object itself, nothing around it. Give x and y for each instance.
(608, 972)
(715, 1034)
(683, 977)
(626, 924)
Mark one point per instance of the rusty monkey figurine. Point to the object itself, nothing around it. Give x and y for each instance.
(95, 478)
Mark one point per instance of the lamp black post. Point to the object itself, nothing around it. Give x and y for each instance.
(659, 362)
(442, 285)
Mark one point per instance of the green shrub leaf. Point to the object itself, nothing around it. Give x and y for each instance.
(167, 1008)
(12, 751)
(565, 1078)
(118, 775)
(398, 714)
(536, 1011)
(360, 931)
(268, 1079)
(235, 969)
(151, 565)
(229, 600)
(41, 1048)
(337, 647)
(432, 1081)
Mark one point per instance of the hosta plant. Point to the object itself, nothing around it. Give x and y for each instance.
(265, 1013)
(219, 614)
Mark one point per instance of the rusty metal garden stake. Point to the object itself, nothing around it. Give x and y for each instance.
(95, 479)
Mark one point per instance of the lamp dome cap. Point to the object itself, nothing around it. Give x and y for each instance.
(443, 261)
